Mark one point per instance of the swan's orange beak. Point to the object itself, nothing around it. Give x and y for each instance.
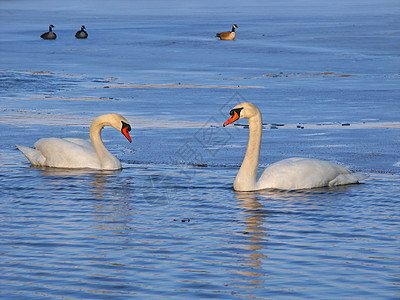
(125, 131)
(233, 118)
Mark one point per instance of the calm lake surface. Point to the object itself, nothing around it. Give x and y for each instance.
(169, 224)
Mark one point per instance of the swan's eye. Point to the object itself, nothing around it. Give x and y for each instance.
(124, 125)
(236, 110)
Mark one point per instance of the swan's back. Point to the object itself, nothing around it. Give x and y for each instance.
(305, 173)
(63, 153)
(68, 153)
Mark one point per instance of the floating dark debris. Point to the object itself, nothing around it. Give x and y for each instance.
(200, 165)
(345, 124)
(182, 220)
(243, 232)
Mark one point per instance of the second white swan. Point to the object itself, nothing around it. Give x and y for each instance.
(287, 174)
(79, 153)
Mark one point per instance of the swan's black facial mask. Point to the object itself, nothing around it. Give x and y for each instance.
(125, 130)
(235, 115)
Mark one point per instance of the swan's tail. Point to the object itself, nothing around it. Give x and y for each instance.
(348, 179)
(35, 157)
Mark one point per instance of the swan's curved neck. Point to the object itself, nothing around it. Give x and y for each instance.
(246, 178)
(107, 160)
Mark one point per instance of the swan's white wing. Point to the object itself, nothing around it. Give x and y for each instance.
(34, 156)
(68, 153)
(348, 178)
(305, 173)
(87, 144)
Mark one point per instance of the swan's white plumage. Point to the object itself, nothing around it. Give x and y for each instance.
(287, 174)
(35, 157)
(74, 152)
(305, 173)
(65, 153)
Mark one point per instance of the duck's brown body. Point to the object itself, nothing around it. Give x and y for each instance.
(228, 35)
(49, 35)
(81, 34)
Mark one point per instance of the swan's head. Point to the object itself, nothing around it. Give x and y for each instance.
(243, 110)
(116, 121)
(125, 130)
(123, 125)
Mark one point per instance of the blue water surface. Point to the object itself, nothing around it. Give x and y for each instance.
(325, 76)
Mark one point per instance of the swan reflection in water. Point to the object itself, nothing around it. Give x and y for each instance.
(265, 215)
(99, 181)
(255, 236)
(107, 195)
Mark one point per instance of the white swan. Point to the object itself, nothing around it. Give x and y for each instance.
(78, 153)
(287, 174)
